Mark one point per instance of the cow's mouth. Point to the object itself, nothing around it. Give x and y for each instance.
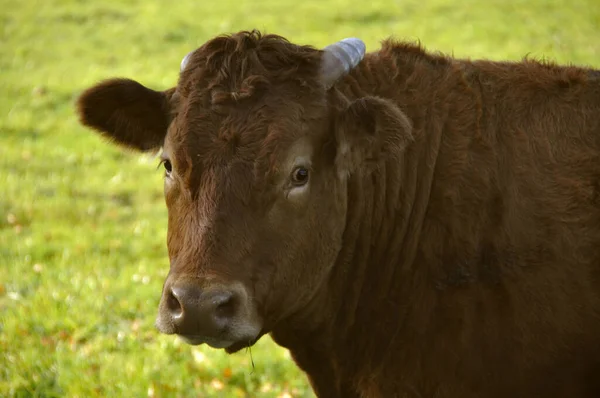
(228, 345)
(210, 341)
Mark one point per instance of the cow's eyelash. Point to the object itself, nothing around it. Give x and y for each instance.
(167, 165)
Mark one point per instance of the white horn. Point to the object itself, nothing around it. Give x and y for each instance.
(184, 61)
(339, 58)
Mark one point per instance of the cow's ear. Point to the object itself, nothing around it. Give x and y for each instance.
(126, 112)
(368, 131)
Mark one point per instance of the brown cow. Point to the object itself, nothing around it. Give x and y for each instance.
(406, 223)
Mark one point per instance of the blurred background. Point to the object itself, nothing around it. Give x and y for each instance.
(83, 224)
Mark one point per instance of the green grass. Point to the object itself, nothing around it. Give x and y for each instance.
(83, 224)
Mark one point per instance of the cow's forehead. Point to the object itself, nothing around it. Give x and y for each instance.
(242, 132)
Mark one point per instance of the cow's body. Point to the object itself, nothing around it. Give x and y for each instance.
(471, 267)
(468, 261)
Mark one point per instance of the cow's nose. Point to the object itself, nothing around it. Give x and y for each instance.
(198, 312)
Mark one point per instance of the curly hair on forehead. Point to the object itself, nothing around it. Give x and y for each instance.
(231, 68)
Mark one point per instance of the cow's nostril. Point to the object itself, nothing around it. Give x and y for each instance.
(224, 305)
(174, 306)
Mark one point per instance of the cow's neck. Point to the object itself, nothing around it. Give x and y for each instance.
(365, 305)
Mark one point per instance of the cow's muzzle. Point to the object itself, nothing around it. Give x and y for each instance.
(220, 315)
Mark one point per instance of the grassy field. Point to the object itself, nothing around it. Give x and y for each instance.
(83, 225)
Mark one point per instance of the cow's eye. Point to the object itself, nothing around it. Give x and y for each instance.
(300, 176)
(167, 165)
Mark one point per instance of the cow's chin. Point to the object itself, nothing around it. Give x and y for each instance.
(235, 347)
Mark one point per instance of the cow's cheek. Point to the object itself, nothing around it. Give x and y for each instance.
(281, 245)
(301, 243)
(322, 238)
(174, 238)
(175, 223)
(327, 231)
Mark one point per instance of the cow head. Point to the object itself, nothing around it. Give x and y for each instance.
(257, 149)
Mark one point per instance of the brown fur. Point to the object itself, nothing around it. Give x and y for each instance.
(449, 245)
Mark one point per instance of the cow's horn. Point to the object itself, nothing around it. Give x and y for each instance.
(185, 60)
(339, 58)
